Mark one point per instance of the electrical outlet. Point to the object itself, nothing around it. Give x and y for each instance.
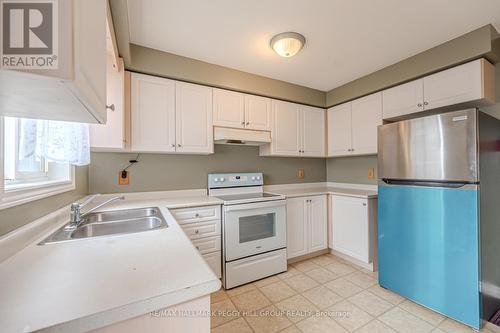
(123, 180)
(300, 174)
(371, 173)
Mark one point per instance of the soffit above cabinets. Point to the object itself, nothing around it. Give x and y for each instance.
(345, 39)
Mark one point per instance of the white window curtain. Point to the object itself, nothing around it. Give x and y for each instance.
(56, 141)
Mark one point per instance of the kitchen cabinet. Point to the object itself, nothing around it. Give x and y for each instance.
(306, 225)
(354, 226)
(470, 84)
(170, 116)
(352, 126)
(296, 130)
(237, 110)
(76, 89)
(193, 118)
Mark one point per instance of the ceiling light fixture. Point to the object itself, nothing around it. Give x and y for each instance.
(287, 44)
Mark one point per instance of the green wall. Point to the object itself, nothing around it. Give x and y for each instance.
(17, 216)
(157, 172)
(351, 169)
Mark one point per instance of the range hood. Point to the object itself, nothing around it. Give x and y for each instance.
(235, 136)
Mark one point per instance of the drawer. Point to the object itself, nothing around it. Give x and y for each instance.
(196, 214)
(214, 260)
(208, 244)
(202, 229)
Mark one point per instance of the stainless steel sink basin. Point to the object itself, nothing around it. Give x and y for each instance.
(101, 224)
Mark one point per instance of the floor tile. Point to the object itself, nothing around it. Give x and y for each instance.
(404, 322)
(238, 325)
(291, 329)
(297, 308)
(361, 279)
(250, 301)
(268, 320)
(301, 282)
(451, 326)
(291, 271)
(322, 297)
(343, 287)
(218, 296)
(387, 295)
(320, 324)
(371, 273)
(340, 268)
(223, 312)
(305, 265)
(240, 290)
(266, 281)
(321, 275)
(277, 291)
(355, 317)
(323, 260)
(492, 327)
(375, 326)
(370, 303)
(429, 316)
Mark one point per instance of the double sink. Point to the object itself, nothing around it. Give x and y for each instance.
(109, 223)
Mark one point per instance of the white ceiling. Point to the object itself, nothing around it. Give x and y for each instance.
(346, 39)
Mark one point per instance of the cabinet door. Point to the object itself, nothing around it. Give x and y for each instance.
(317, 222)
(228, 108)
(257, 113)
(111, 136)
(452, 86)
(296, 227)
(339, 130)
(366, 116)
(350, 227)
(403, 99)
(193, 117)
(152, 114)
(286, 128)
(313, 132)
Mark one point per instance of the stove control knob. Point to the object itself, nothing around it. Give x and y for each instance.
(258, 177)
(254, 178)
(222, 179)
(216, 180)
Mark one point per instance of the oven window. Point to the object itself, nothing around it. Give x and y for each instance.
(257, 227)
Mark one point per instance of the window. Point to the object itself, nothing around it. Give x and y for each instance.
(28, 174)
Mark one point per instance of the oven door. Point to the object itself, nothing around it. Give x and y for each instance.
(254, 228)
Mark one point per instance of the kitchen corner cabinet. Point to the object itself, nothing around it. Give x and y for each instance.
(306, 225)
(169, 116)
(354, 226)
(352, 126)
(470, 84)
(296, 130)
(237, 110)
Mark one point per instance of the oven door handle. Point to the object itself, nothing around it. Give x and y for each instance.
(275, 203)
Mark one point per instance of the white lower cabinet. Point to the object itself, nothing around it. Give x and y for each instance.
(203, 226)
(306, 225)
(354, 226)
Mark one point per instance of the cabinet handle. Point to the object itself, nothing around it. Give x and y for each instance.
(248, 123)
(426, 103)
(173, 145)
(179, 145)
(196, 231)
(197, 215)
(364, 204)
(111, 107)
(419, 105)
(198, 248)
(243, 123)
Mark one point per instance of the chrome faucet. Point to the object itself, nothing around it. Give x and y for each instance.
(76, 214)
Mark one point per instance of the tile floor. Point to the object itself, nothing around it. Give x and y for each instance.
(348, 298)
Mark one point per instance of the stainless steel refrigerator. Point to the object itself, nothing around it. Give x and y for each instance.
(439, 213)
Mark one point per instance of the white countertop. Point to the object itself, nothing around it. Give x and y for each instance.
(291, 191)
(86, 284)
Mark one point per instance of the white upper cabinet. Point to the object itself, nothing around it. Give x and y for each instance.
(228, 108)
(193, 113)
(471, 84)
(76, 89)
(339, 130)
(313, 132)
(257, 113)
(152, 114)
(403, 99)
(366, 116)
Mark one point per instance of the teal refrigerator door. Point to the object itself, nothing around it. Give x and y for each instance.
(428, 248)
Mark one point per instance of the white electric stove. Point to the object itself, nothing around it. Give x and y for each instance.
(253, 228)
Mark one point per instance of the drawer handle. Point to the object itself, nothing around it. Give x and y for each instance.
(364, 204)
(196, 231)
(198, 248)
(197, 215)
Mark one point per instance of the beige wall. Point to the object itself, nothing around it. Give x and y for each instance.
(174, 172)
(351, 169)
(15, 217)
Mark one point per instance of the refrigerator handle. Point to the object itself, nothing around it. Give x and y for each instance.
(449, 184)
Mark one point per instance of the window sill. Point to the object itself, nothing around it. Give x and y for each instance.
(22, 194)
